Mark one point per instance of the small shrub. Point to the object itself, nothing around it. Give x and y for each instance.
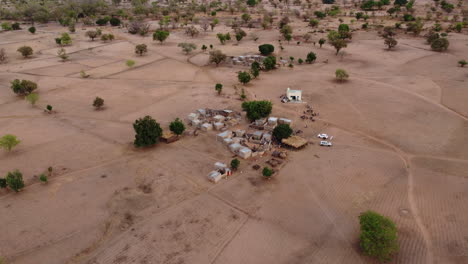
(141, 49)
(235, 164)
(160, 35)
(244, 77)
(25, 51)
(3, 185)
(187, 47)
(440, 44)
(62, 54)
(311, 57)
(219, 88)
(32, 98)
(32, 30)
(16, 26)
(15, 180)
(267, 172)
(49, 108)
(115, 22)
(43, 178)
(92, 34)
(462, 63)
(98, 103)
(341, 75)
(102, 21)
(217, 57)
(130, 63)
(3, 56)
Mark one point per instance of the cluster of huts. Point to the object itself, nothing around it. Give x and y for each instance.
(210, 119)
(247, 60)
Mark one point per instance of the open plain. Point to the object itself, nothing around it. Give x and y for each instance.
(400, 127)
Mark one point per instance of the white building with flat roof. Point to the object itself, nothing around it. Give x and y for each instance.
(294, 95)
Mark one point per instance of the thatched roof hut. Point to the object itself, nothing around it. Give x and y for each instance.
(294, 141)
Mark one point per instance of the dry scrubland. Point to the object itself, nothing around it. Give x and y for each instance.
(401, 148)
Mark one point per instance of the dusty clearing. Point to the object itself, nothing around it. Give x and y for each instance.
(401, 148)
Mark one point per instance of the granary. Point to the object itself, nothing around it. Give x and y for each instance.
(168, 137)
(294, 95)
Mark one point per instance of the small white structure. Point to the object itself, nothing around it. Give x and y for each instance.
(294, 95)
(207, 127)
(228, 141)
(219, 118)
(220, 165)
(192, 116)
(272, 121)
(245, 153)
(235, 147)
(196, 123)
(285, 121)
(218, 125)
(215, 176)
(223, 135)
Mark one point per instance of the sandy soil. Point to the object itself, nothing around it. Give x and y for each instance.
(400, 127)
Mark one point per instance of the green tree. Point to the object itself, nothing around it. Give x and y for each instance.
(15, 180)
(390, 42)
(244, 77)
(462, 63)
(378, 236)
(267, 172)
(322, 41)
(257, 109)
(8, 142)
(23, 87)
(269, 63)
(3, 185)
(32, 98)
(177, 127)
(160, 35)
(311, 57)
(98, 103)
(219, 88)
(235, 164)
(334, 38)
(266, 49)
(282, 131)
(313, 22)
(141, 49)
(341, 75)
(62, 54)
(115, 22)
(25, 51)
(147, 130)
(65, 39)
(32, 30)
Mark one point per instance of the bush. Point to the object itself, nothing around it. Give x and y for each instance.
(390, 42)
(32, 98)
(177, 127)
(92, 34)
(311, 57)
(267, 172)
(3, 56)
(6, 26)
(3, 184)
(160, 35)
(130, 63)
(62, 53)
(217, 57)
(141, 49)
(114, 22)
(462, 63)
(341, 75)
(32, 30)
(266, 49)
(49, 108)
(14, 180)
(235, 164)
(16, 26)
(8, 142)
(313, 22)
(65, 39)
(378, 236)
(26, 51)
(148, 132)
(440, 44)
(282, 131)
(23, 87)
(244, 77)
(269, 63)
(187, 47)
(98, 103)
(219, 88)
(102, 21)
(335, 39)
(257, 109)
(43, 178)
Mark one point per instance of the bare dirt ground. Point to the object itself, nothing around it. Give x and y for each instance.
(400, 148)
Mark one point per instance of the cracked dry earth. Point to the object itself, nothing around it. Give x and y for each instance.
(400, 127)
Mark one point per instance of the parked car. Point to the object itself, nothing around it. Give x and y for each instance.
(325, 143)
(322, 136)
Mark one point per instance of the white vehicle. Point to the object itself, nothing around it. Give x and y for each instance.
(325, 143)
(322, 136)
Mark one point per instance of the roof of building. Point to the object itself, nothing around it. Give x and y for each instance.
(294, 141)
